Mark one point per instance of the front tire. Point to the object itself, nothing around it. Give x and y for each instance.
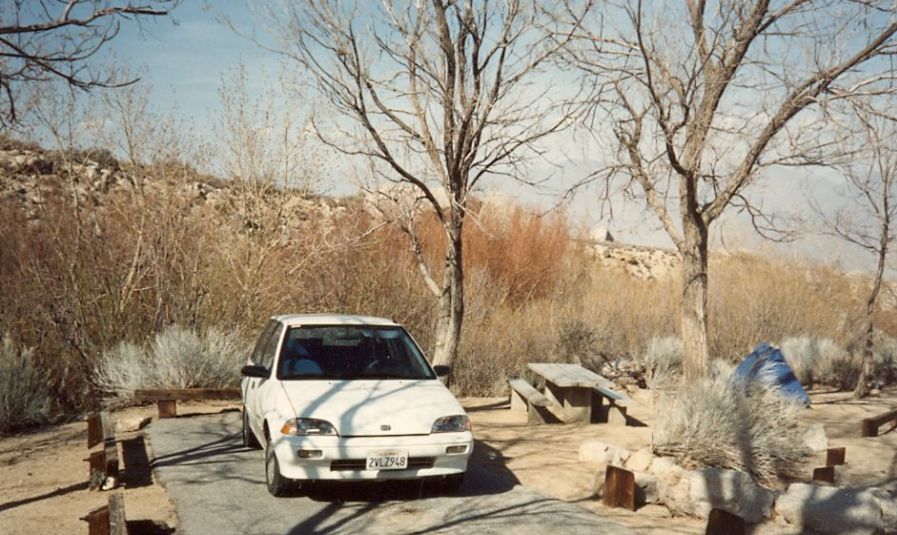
(277, 485)
(249, 439)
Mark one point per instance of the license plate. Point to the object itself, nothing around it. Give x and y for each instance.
(387, 460)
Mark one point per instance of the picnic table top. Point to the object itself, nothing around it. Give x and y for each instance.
(568, 375)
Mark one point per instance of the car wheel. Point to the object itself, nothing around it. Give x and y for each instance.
(277, 484)
(452, 483)
(249, 440)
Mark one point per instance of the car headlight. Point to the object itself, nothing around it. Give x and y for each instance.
(301, 427)
(451, 424)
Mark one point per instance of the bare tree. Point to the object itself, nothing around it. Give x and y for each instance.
(700, 99)
(46, 40)
(438, 95)
(868, 211)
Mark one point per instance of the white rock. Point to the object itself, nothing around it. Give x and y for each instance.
(672, 484)
(836, 510)
(646, 488)
(597, 452)
(815, 438)
(731, 490)
(640, 460)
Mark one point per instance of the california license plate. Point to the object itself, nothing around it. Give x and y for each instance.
(387, 460)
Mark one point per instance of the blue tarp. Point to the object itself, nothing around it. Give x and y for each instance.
(767, 365)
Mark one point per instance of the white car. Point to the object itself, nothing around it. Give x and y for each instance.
(350, 398)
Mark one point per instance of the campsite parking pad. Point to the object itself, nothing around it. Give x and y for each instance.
(218, 487)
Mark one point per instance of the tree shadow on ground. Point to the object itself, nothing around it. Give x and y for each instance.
(47, 495)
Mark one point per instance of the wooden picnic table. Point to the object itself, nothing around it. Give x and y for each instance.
(570, 386)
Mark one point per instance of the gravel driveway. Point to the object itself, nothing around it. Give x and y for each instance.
(218, 487)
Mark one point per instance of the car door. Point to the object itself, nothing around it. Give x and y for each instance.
(250, 384)
(264, 390)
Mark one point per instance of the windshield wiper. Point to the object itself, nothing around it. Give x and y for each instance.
(313, 377)
(389, 376)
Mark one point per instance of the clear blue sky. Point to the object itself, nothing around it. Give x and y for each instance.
(185, 56)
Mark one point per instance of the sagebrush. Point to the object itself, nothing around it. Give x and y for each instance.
(24, 399)
(712, 423)
(174, 358)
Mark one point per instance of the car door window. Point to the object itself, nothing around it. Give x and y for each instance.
(270, 348)
(260, 344)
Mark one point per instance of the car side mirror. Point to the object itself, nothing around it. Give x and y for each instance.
(442, 370)
(254, 370)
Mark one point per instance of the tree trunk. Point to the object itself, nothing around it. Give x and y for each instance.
(693, 326)
(862, 387)
(451, 301)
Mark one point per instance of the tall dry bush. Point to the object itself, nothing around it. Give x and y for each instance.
(761, 298)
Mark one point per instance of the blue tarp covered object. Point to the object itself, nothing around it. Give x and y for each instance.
(767, 365)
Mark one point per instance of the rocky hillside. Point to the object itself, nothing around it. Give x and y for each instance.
(32, 177)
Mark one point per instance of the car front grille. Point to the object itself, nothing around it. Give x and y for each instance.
(359, 464)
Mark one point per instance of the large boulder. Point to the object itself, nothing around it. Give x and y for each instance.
(730, 490)
(673, 485)
(697, 492)
(838, 510)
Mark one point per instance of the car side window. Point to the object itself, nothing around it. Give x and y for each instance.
(260, 344)
(270, 348)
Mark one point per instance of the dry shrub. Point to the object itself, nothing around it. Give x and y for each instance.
(662, 361)
(820, 361)
(710, 423)
(175, 358)
(24, 399)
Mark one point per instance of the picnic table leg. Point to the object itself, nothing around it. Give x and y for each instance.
(605, 411)
(578, 404)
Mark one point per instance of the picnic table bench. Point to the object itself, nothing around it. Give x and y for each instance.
(580, 393)
(108, 519)
(871, 425)
(167, 399)
(525, 397)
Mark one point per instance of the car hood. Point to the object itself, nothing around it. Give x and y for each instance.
(373, 408)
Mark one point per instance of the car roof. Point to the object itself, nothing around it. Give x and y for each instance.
(295, 320)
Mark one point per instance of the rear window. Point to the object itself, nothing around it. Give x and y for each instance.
(350, 352)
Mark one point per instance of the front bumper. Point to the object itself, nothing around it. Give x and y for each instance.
(343, 458)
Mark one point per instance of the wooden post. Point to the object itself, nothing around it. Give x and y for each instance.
(835, 456)
(825, 474)
(619, 488)
(168, 408)
(97, 521)
(94, 430)
(724, 523)
(870, 428)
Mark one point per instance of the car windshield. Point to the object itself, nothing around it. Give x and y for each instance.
(350, 352)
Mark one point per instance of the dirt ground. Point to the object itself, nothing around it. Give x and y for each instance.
(43, 476)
